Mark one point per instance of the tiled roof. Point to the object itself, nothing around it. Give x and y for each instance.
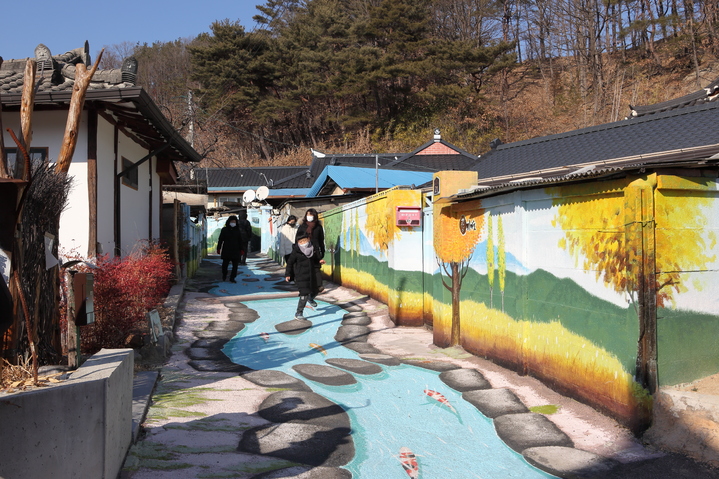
(272, 176)
(676, 132)
(112, 92)
(57, 73)
(710, 93)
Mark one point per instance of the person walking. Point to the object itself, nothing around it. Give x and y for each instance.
(246, 231)
(230, 247)
(312, 227)
(288, 235)
(300, 266)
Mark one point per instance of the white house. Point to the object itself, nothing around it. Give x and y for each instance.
(124, 153)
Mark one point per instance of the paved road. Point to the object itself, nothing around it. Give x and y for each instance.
(270, 414)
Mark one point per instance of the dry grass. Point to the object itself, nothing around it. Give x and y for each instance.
(19, 377)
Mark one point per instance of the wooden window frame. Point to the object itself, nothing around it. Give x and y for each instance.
(36, 154)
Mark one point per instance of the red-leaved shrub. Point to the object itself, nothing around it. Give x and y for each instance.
(126, 289)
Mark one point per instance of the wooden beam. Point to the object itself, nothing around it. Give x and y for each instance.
(92, 180)
(4, 170)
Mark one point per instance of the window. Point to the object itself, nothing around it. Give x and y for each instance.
(130, 178)
(16, 167)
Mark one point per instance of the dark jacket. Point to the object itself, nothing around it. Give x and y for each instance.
(317, 239)
(231, 242)
(246, 229)
(301, 268)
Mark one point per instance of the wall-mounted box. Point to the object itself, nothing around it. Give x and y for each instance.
(408, 216)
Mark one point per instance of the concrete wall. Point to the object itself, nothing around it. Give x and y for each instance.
(81, 427)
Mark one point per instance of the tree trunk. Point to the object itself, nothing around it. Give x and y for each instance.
(79, 89)
(456, 285)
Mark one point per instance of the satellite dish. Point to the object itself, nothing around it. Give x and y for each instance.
(262, 193)
(248, 197)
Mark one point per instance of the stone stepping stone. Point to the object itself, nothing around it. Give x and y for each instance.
(226, 366)
(210, 334)
(205, 353)
(300, 443)
(246, 316)
(235, 326)
(568, 462)
(285, 287)
(464, 380)
(360, 314)
(385, 359)
(306, 472)
(326, 375)
(209, 343)
(304, 407)
(274, 278)
(495, 402)
(358, 321)
(269, 378)
(362, 348)
(439, 366)
(236, 305)
(354, 365)
(347, 334)
(522, 431)
(250, 280)
(293, 327)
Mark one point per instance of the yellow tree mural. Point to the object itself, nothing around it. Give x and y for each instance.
(637, 243)
(501, 258)
(381, 230)
(490, 258)
(455, 237)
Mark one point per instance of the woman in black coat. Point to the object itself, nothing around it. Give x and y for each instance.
(300, 266)
(230, 247)
(312, 227)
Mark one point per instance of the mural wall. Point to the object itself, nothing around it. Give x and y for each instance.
(602, 289)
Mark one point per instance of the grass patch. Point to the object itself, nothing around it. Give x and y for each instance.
(547, 409)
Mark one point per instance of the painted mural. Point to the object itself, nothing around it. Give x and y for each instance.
(602, 289)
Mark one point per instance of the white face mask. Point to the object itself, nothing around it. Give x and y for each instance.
(233, 224)
(310, 218)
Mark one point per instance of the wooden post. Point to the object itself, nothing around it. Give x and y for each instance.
(79, 89)
(92, 180)
(27, 104)
(73, 338)
(4, 172)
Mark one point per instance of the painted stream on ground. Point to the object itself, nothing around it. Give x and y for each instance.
(388, 410)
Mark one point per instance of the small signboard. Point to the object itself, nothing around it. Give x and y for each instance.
(408, 216)
(153, 317)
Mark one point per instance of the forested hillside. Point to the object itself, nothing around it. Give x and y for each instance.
(379, 75)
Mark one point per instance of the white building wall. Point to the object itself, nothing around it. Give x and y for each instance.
(105, 187)
(134, 203)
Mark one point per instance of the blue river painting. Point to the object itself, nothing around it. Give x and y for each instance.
(400, 411)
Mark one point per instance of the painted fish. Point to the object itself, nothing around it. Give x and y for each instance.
(318, 348)
(440, 398)
(265, 336)
(409, 462)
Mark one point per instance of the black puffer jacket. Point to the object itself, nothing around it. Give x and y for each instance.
(231, 242)
(301, 269)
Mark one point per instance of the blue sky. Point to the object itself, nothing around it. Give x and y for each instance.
(64, 26)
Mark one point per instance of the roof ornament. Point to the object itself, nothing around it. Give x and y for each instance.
(129, 70)
(437, 135)
(495, 143)
(44, 59)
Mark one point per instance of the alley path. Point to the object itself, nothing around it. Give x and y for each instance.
(296, 403)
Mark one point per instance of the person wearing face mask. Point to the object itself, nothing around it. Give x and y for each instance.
(288, 234)
(312, 228)
(230, 247)
(300, 266)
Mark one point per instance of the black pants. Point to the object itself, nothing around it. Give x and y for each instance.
(302, 303)
(243, 254)
(225, 263)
